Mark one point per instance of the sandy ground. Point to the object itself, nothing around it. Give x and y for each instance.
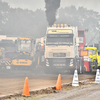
(13, 82)
(87, 91)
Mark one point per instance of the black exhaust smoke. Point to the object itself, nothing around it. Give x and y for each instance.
(51, 9)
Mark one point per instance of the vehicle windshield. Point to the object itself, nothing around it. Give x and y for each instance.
(59, 40)
(91, 52)
(24, 45)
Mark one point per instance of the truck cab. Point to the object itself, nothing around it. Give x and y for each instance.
(61, 48)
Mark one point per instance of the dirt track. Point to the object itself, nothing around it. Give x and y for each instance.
(13, 82)
(85, 92)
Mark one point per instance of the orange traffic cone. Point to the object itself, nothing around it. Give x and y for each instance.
(26, 88)
(58, 85)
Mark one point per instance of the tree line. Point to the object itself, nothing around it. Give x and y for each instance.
(24, 22)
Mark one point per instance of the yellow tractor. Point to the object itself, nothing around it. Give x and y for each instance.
(93, 57)
(24, 58)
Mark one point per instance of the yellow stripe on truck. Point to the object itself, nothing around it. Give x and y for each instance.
(7, 62)
(24, 39)
(22, 62)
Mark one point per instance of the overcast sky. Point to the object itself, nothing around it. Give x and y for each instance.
(37, 4)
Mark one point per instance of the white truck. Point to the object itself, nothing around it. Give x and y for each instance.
(61, 49)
